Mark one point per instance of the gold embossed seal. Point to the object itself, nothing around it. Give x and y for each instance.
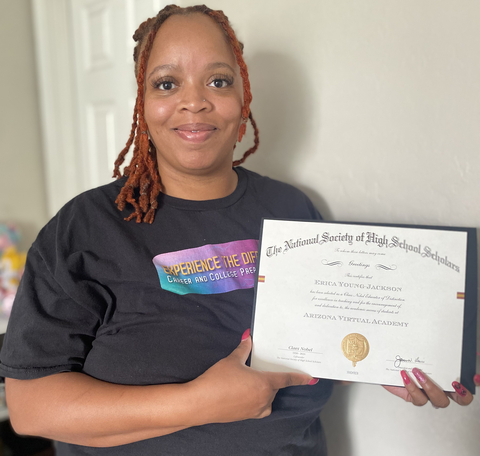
(355, 347)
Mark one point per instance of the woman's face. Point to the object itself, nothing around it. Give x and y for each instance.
(193, 97)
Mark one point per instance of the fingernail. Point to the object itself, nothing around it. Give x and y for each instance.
(460, 389)
(405, 377)
(419, 375)
(476, 379)
(313, 381)
(246, 334)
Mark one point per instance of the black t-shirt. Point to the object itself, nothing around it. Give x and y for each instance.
(141, 304)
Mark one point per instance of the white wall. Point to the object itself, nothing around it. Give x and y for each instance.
(373, 108)
(22, 192)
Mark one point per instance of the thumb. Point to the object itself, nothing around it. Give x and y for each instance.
(280, 380)
(242, 352)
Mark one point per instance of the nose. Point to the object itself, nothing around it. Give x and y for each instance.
(194, 98)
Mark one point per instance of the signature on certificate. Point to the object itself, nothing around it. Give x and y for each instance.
(399, 360)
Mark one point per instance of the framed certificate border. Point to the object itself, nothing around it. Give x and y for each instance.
(468, 359)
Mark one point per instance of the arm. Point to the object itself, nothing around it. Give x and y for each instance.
(75, 408)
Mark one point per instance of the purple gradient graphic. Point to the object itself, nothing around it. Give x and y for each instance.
(210, 269)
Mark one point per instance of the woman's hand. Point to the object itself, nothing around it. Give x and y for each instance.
(232, 391)
(431, 392)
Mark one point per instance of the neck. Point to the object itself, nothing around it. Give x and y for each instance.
(198, 187)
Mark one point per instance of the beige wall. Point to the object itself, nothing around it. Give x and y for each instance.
(22, 195)
(373, 108)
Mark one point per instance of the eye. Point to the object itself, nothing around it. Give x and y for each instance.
(221, 81)
(167, 85)
(164, 85)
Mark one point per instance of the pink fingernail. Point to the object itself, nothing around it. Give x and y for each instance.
(405, 378)
(460, 389)
(313, 381)
(476, 379)
(246, 335)
(419, 375)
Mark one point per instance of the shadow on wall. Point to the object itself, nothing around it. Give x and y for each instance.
(283, 109)
(335, 422)
(280, 105)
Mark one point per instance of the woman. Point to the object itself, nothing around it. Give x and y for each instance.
(99, 353)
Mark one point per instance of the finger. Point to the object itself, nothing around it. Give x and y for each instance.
(243, 350)
(280, 380)
(416, 395)
(461, 395)
(437, 396)
(476, 379)
(399, 392)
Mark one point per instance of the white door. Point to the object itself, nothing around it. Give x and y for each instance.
(87, 86)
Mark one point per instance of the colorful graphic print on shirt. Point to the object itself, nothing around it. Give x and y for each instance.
(210, 269)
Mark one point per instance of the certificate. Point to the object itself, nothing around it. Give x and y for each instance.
(362, 302)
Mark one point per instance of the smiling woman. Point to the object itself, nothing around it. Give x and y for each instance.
(193, 105)
(131, 341)
(193, 102)
(132, 338)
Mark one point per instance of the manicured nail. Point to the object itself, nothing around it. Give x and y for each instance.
(419, 375)
(460, 389)
(405, 377)
(476, 379)
(313, 381)
(246, 334)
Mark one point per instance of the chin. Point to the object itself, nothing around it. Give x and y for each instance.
(204, 164)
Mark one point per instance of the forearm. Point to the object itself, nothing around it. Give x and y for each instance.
(75, 408)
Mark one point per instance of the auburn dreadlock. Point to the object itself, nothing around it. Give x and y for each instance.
(143, 180)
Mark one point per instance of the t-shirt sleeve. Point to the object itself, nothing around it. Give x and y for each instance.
(313, 211)
(49, 331)
(285, 201)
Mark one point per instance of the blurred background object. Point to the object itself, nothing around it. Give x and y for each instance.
(12, 263)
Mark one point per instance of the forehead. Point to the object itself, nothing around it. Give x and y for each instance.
(193, 35)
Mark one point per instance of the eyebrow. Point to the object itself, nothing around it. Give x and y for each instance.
(167, 66)
(215, 65)
(210, 67)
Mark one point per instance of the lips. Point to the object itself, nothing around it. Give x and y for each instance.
(195, 127)
(195, 132)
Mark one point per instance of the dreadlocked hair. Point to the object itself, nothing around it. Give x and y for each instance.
(143, 182)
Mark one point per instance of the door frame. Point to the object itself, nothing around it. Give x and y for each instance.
(55, 74)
